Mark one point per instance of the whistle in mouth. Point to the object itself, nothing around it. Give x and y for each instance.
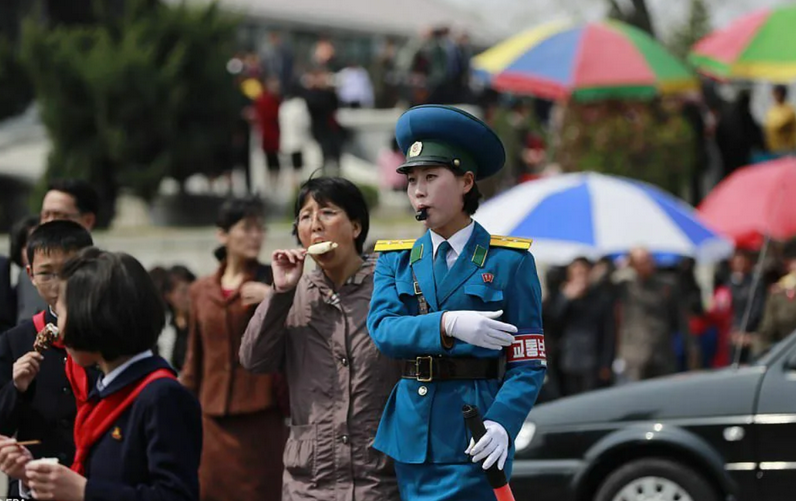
(422, 214)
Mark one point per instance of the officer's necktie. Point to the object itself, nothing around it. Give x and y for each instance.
(441, 262)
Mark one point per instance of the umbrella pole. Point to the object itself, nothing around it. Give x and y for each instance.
(758, 274)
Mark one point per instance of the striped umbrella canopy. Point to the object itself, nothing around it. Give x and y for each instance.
(600, 60)
(595, 215)
(759, 46)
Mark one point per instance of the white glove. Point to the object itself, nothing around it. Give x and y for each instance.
(494, 446)
(479, 328)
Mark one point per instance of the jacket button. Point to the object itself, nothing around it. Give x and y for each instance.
(65, 423)
(422, 391)
(344, 438)
(344, 361)
(66, 390)
(65, 360)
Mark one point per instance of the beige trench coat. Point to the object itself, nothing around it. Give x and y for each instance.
(338, 382)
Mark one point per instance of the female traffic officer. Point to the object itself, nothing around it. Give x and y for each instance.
(462, 308)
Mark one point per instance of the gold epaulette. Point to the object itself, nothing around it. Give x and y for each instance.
(510, 242)
(393, 245)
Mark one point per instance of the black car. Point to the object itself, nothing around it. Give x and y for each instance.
(727, 434)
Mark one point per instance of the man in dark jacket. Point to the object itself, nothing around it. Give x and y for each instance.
(36, 400)
(587, 336)
(69, 199)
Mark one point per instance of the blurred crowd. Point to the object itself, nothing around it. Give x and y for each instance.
(291, 100)
(628, 319)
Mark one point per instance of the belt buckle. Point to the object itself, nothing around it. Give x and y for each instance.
(418, 372)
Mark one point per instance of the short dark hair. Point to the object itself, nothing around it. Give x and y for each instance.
(86, 197)
(472, 199)
(61, 235)
(176, 273)
(18, 238)
(112, 305)
(781, 89)
(235, 210)
(582, 260)
(160, 277)
(340, 192)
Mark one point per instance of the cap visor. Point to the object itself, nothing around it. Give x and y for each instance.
(423, 162)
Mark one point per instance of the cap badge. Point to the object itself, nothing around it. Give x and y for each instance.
(416, 148)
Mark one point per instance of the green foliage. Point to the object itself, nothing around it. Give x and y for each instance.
(136, 98)
(15, 87)
(694, 29)
(647, 141)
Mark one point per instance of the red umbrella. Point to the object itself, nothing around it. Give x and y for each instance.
(754, 202)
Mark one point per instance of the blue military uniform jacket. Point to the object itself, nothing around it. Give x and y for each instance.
(492, 273)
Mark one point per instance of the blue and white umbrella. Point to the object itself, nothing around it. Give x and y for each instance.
(594, 215)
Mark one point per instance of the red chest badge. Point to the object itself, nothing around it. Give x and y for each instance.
(488, 278)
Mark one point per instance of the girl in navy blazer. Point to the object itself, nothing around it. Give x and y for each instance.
(138, 430)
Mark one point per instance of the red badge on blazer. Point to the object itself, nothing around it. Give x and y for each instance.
(488, 277)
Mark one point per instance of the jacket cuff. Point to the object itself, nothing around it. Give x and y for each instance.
(26, 396)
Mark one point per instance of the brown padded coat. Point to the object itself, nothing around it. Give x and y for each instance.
(338, 382)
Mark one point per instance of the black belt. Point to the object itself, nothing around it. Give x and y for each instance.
(427, 369)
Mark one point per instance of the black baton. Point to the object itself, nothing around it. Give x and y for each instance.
(495, 476)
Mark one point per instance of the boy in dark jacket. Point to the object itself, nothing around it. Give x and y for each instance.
(36, 400)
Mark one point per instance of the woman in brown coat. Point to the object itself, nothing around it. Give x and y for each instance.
(243, 427)
(313, 326)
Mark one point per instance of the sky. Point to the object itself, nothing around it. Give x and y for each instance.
(507, 17)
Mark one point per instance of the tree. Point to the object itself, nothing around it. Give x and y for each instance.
(650, 141)
(696, 27)
(133, 99)
(636, 14)
(15, 88)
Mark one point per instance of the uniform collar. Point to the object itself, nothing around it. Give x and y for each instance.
(422, 264)
(106, 380)
(133, 371)
(457, 241)
(50, 317)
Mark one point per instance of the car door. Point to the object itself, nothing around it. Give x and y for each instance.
(775, 428)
